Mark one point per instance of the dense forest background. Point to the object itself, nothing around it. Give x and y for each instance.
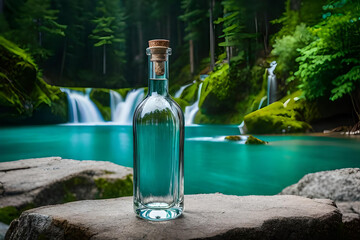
(78, 43)
(102, 43)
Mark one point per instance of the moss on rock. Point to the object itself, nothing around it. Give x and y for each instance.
(101, 98)
(182, 103)
(190, 93)
(24, 95)
(109, 188)
(233, 138)
(253, 140)
(279, 117)
(7, 214)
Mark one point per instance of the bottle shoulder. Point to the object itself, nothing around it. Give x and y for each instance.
(154, 104)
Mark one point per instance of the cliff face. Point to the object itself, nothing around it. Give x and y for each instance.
(24, 96)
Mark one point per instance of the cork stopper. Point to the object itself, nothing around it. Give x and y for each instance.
(158, 49)
(159, 43)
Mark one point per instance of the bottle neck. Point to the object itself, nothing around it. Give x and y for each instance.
(158, 71)
(158, 87)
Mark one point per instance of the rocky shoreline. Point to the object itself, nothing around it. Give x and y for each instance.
(35, 184)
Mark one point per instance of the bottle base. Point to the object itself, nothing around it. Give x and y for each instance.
(159, 214)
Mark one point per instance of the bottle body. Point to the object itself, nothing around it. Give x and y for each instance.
(158, 131)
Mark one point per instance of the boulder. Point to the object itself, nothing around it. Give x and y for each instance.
(341, 186)
(207, 216)
(337, 185)
(37, 182)
(255, 141)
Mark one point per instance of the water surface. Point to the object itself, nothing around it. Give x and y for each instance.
(211, 164)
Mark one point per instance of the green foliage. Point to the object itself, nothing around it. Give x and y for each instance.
(22, 89)
(35, 20)
(195, 18)
(233, 24)
(329, 66)
(286, 50)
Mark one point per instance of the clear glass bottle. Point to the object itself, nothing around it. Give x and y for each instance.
(158, 128)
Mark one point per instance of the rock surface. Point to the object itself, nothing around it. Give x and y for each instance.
(337, 185)
(44, 181)
(214, 216)
(341, 186)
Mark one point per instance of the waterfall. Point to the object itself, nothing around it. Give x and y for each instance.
(262, 101)
(180, 91)
(271, 93)
(190, 111)
(123, 111)
(115, 100)
(81, 108)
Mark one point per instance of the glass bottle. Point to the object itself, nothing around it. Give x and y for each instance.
(158, 128)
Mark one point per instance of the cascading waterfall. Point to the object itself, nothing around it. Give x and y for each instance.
(123, 111)
(271, 93)
(81, 108)
(190, 111)
(180, 91)
(115, 100)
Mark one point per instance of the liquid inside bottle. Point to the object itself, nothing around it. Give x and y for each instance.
(158, 128)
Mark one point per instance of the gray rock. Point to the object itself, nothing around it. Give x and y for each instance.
(341, 186)
(45, 181)
(207, 216)
(338, 185)
(351, 218)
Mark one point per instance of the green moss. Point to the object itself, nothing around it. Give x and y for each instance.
(233, 138)
(70, 186)
(190, 93)
(253, 140)
(123, 91)
(23, 92)
(7, 214)
(276, 118)
(182, 103)
(114, 188)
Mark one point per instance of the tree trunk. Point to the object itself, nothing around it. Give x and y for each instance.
(140, 58)
(191, 51)
(266, 35)
(179, 32)
(212, 46)
(1, 6)
(63, 60)
(104, 59)
(168, 28)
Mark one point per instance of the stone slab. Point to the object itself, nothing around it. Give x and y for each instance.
(207, 216)
(41, 181)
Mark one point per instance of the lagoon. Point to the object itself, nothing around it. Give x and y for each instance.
(211, 163)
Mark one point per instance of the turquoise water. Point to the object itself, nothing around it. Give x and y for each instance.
(211, 165)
